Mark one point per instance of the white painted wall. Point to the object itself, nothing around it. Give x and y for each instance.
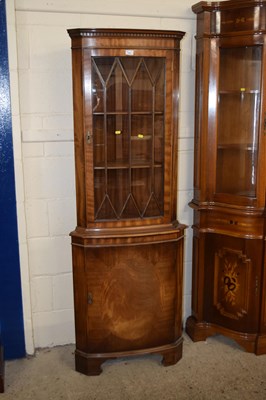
(43, 137)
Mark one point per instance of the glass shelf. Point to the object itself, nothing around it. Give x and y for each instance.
(237, 146)
(240, 91)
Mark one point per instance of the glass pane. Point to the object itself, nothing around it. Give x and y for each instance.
(131, 209)
(117, 90)
(141, 138)
(118, 188)
(142, 90)
(158, 140)
(130, 66)
(238, 120)
(159, 187)
(117, 140)
(240, 67)
(141, 187)
(159, 92)
(155, 68)
(97, 90)
(104, 66)
(106, 210)
(98, 140)
(99, 188)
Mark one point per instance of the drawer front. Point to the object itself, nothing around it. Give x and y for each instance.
(247, 226)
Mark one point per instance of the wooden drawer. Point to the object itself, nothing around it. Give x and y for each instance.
(234, 224)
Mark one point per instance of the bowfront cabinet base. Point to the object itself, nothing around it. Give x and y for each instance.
(128, 294)
(250, 342)
(200, 331)
(91, 364)
(229, 270)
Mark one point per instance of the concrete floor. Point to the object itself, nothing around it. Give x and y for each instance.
(213, 370)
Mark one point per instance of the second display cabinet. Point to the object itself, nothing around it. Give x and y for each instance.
(229, 277)
(128, 245)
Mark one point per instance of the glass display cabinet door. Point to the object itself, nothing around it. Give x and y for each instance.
(239, 100)
(128, 136)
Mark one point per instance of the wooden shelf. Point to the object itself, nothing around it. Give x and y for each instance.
(125, 165)
(148, 113)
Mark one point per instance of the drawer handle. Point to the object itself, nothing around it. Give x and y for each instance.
(231, 222)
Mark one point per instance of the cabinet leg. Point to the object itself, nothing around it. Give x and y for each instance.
(90, 366)
(200, 331)
(172, 356)
(197, 331)
(260, 345)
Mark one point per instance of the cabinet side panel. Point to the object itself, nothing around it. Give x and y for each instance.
(198, 119)
(195, 275)
(202, 109)
(198, 274)
(261, 193)
(174, 149)
(263, 297)
(179, 288)
(77, 71)
(80, 296)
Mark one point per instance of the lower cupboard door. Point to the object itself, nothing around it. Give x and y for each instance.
(232, 282)
(133, 297)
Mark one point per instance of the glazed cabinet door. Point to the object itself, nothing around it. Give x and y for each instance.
(128, 133)
(230, 127)
(232, 282)
(238, 116)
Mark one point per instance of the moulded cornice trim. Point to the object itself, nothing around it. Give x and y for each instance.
(124, 33)
(225, 5)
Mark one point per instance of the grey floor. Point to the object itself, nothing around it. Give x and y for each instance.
(215, 369)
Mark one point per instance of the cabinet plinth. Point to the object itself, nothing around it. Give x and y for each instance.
(128, 245)
(229, 279)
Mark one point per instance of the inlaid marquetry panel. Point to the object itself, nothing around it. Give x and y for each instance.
(232, 271)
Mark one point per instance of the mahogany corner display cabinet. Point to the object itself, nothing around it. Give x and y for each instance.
(128, 245)
(229, 261)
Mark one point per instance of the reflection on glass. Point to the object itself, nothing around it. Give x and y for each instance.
(238, 120)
